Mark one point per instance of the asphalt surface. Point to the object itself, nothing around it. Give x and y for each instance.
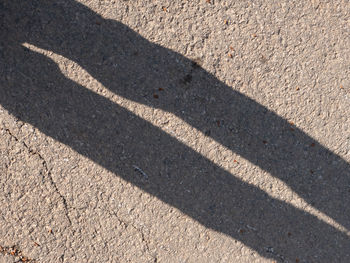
(174, 131)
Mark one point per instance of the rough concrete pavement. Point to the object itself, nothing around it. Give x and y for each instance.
(174, 131)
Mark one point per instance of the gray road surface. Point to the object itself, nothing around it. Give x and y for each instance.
(174, 131)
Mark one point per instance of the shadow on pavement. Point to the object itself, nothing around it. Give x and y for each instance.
(33, 89)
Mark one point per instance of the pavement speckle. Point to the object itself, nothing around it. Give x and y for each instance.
(174, 131)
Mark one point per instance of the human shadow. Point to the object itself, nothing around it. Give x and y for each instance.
(33, 89)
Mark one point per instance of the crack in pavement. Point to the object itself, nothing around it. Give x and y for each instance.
(47, 171)
(48, 176)
(143, 237)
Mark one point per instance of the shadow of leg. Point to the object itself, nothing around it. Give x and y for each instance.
(34, 90)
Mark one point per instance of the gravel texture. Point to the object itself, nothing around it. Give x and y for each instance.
(174, 131)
